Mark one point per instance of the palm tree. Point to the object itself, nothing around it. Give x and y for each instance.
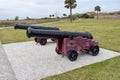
(17, 18)
(64, 14)
(53, 15)
(50, 15)
(98, 9)
(70, 4)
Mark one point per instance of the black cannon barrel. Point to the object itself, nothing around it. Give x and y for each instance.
(25, 27)
(56, 34)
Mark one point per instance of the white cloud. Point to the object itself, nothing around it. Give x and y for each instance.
(42, 8)
(32, 8)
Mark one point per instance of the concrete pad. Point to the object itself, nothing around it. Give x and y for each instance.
(33, 62)
(6, 71)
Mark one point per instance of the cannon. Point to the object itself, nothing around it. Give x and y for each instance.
(69, 43)
(41, 40)
(25, 27)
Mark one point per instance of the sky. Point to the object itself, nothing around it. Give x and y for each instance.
(43, 8)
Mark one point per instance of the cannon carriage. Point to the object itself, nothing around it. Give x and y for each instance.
(68, 43)
(41, 40)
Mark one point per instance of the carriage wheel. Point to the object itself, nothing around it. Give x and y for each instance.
(72, 55)
(43, 41)
(57, 51)
(94, 50)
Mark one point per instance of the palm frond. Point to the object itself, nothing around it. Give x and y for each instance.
(74, 6)
(67, 6)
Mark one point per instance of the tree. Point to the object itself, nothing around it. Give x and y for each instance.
(98, 9)
(85, 16)
(50, 15)
(70, 4)
(91, 14)
(64, 14)
(27, 18)
(16, 18)
(53, 15)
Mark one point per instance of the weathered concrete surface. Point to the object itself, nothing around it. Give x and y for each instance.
(6, 71)
(33, 62)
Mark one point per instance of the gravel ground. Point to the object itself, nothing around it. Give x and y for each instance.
(6, 71)
(33, 62)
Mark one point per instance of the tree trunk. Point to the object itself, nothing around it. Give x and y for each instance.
(70, 14)
(97, 15)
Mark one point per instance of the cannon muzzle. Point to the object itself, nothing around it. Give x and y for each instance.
(56, 34)
(25, 27)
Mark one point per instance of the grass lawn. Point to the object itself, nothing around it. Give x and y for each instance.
(9, 35)
(106, 70)
(106, 32)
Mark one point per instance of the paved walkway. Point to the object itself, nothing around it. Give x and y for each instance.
(33, 62)
(6, 72)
